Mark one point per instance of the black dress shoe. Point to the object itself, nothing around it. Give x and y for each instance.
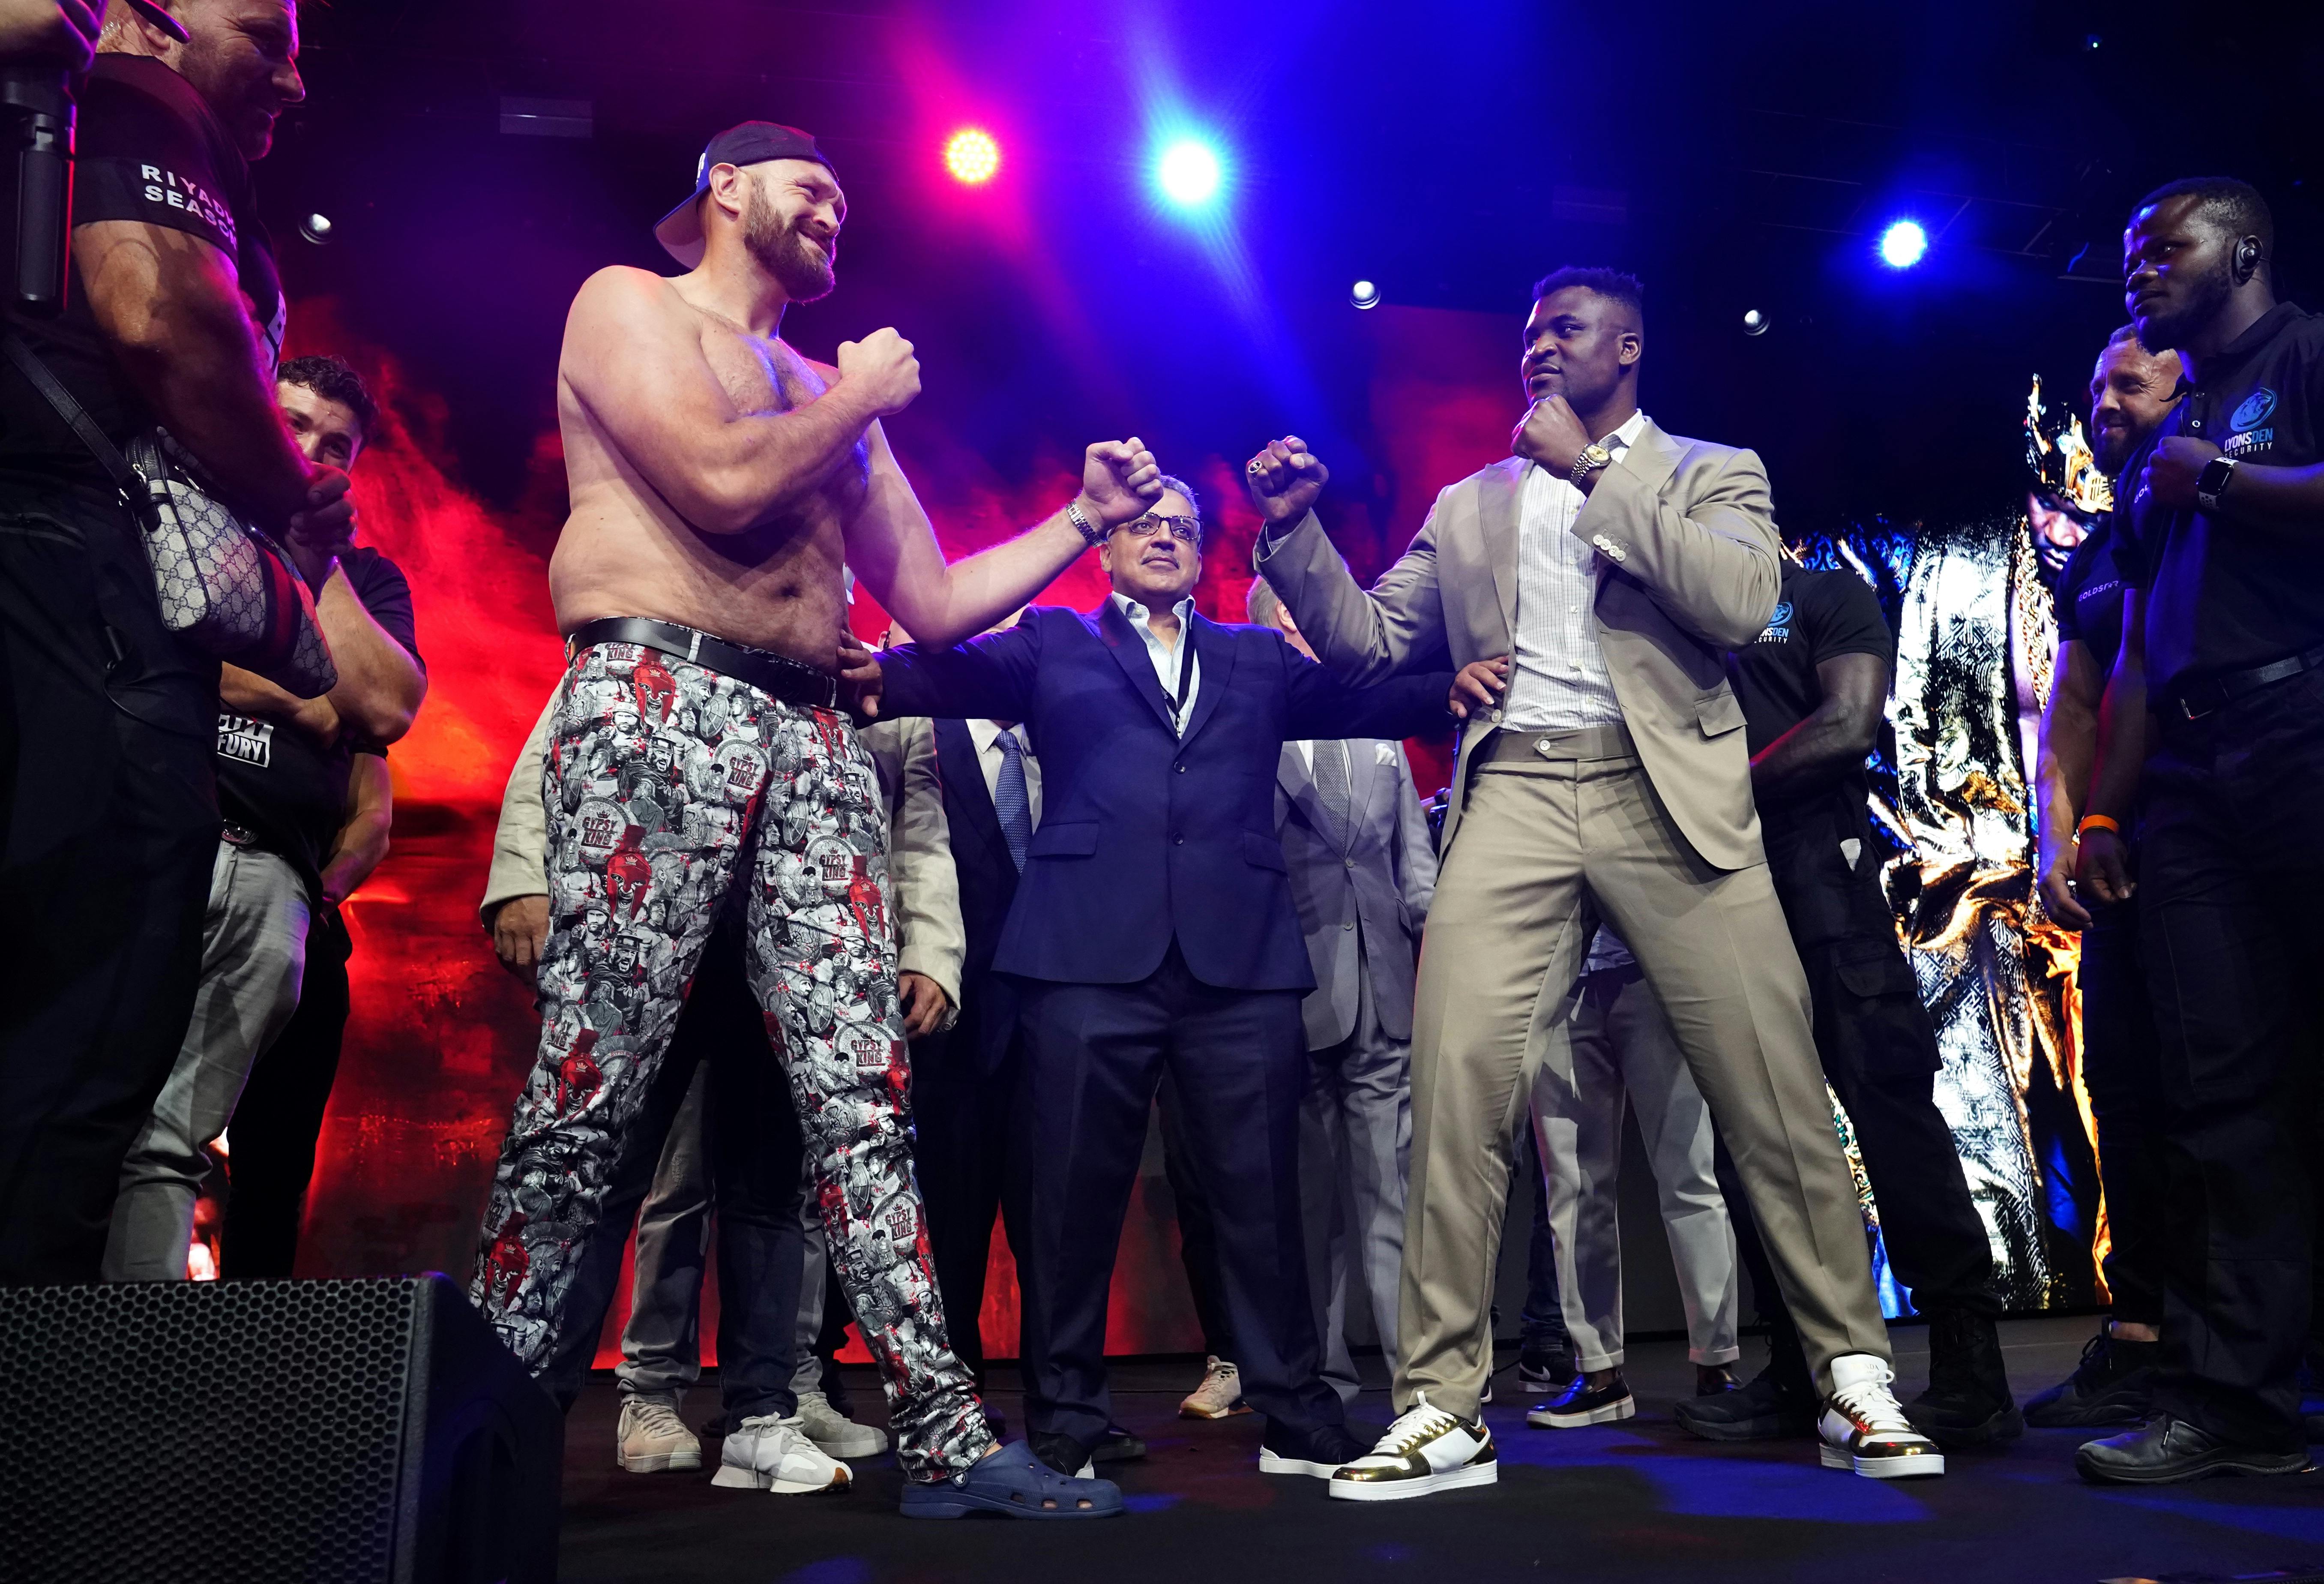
(2167, 1450)
(1767, 1409)
(1060, 1451)
(1968, 1402)
(1318, 1452)
(1581, 1403)
(1118, 1446)
(2114, 1384)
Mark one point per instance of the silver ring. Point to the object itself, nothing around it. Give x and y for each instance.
(1252, 470)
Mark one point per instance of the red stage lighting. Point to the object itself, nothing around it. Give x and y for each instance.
(973, 157)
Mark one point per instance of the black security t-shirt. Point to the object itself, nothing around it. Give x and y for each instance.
(147, 148)
(2229, 593)
(280, 784)
(2089, 595)
(1819, 616)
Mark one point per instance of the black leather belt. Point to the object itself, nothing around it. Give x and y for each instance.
(2194, 700)
(776, 675)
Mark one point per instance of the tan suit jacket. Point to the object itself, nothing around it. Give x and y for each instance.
(1688, 568)
(920, 872)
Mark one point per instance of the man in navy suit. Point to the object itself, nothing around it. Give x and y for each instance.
(1154, 928)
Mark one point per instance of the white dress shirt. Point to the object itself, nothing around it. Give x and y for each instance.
(1167, 657)
(1558, 674)
(986, 734)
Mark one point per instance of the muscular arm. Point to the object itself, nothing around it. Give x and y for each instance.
(245, 693)
(170, 308)
(1836, 735)
(2102, 864)
(893, 549)
(361, 842)
(2069, 730)
(633, 358)
(380, 685)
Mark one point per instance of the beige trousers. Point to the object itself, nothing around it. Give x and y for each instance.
(1550, 844)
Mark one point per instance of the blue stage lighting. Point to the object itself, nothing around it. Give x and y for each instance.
(1903, 244)
(1188, 173)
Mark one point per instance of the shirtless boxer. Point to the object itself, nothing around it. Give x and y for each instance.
(699, 760)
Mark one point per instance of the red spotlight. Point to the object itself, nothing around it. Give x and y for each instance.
(973, 157)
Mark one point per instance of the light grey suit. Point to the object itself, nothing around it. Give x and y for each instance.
(1648, 826)
(1363, 892)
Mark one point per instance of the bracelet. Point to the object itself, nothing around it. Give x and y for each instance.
(1090, 532)
(2100, 821)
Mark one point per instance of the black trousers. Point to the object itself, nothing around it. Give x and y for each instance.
(964, 1100)
(756, 1163)
(279, 1114)
(1093, 1057)
(2232, 941)
(2122, 1069)
(1198, 1238)
(111, 827)
(1879, 1053)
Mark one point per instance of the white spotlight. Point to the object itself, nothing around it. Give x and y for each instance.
(1364, 295)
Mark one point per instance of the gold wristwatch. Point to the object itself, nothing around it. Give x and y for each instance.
(1593, 458)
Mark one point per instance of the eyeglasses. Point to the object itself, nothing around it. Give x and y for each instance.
(1184, 530)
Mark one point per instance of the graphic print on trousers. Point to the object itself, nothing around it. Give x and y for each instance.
(663, 780)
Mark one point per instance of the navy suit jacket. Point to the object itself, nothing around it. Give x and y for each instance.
(1144, 835)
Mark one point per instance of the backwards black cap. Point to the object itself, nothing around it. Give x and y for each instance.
(680, 230)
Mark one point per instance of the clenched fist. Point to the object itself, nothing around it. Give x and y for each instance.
(1284, 480)
(1120, 480)
(883, 368)
(1551, 435)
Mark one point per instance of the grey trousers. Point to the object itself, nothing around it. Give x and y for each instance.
(1549, 844)
(661, 1342)
(1620, 1043)
(1355, 1139)
(254, 953)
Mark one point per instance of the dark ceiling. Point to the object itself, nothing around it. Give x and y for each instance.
(1735, 157)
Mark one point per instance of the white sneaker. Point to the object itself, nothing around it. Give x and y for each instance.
(834, 1433)
(651, 1438)
(1220, 1396)
(767, 1453)
(1426, 1450)
(1863, 1427)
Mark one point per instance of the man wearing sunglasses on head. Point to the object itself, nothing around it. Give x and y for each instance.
(1154, 930)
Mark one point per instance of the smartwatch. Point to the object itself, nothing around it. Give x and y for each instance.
(2211, 483)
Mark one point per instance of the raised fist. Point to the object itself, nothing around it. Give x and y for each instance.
(882, 367)
(1551, 435)
(1284, 480)
(1120, 480)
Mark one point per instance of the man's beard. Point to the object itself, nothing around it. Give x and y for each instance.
(2211, 293)
(799, 266)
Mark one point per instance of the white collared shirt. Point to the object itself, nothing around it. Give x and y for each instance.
(1167, 657)
(986, 736)
(1558, 679)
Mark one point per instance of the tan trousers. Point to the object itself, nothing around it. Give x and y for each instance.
(1550, 844)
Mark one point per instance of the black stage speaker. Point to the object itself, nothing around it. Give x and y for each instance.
(242, 1431)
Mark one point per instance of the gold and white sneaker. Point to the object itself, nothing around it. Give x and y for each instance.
(651, 1438)
(1220, 1396)
(1425, 1451)
(1863, 1427)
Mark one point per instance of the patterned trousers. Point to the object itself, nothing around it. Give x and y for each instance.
(670, 789)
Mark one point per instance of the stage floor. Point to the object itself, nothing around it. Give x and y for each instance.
(1638, 1501)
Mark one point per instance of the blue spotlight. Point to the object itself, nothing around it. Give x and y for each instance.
(1903, 244)
(1188, 173)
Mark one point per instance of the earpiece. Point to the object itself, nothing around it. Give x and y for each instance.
(2246, 259)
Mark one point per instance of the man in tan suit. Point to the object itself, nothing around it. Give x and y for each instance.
(1588, 587)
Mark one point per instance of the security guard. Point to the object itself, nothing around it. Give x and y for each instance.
(1812, 686)
(2223, 541)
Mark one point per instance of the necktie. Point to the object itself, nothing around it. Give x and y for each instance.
(1010, 803)
(1332, 786)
